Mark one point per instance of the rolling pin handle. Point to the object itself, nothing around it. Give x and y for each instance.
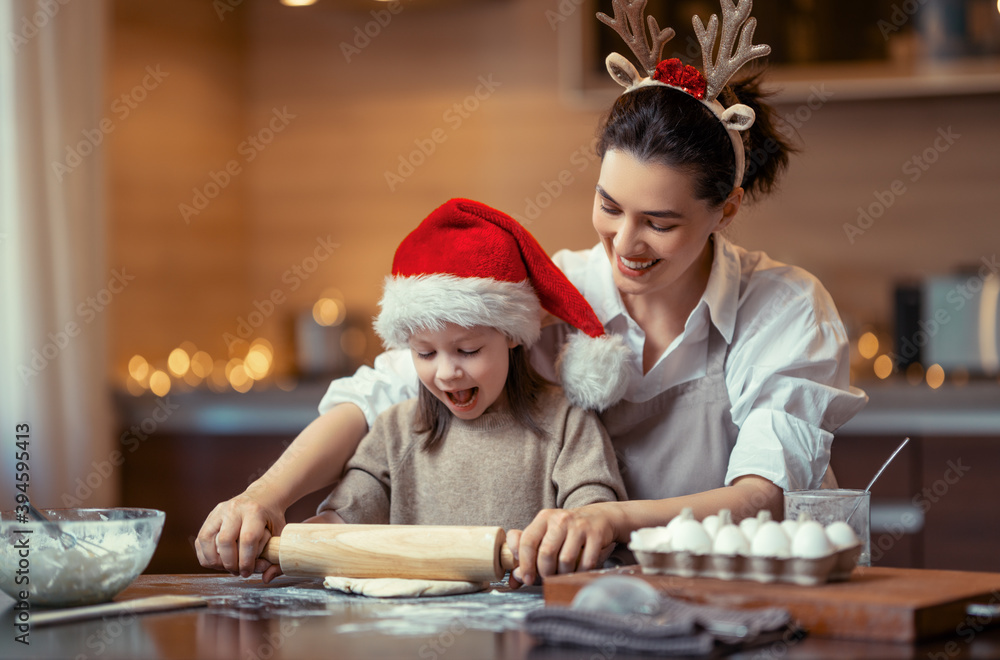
(272, 551)
(507, 560)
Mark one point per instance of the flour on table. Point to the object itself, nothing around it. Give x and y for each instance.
(401, 587)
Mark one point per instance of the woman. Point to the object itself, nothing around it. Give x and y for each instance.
(744, 360)
(743, 374)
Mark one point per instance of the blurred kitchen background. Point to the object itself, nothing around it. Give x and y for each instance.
(201, 198)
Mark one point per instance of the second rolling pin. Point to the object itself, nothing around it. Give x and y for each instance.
(429, 552)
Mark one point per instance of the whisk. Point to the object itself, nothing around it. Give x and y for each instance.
(67, 539)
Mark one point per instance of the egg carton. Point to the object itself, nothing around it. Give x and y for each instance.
(834, 567)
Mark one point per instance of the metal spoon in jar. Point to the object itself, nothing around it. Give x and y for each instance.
(878, 474)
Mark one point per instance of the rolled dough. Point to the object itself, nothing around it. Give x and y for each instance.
(401, 587)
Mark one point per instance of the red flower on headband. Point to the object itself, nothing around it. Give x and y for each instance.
(672, 72)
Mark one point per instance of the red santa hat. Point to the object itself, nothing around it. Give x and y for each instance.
(470, 264)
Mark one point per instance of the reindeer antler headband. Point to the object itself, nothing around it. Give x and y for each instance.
(736, 20)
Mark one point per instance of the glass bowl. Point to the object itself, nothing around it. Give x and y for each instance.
(110, 548)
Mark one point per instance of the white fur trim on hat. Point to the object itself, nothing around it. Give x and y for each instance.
(595, 371)
(427, 302)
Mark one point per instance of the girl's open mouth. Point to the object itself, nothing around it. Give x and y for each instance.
(463, 398)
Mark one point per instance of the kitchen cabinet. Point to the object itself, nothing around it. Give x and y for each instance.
(207, 450)
(854, 460)
(187, 474)
(959, 486)
(934, 506)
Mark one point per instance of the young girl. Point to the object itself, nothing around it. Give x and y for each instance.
(487, 441)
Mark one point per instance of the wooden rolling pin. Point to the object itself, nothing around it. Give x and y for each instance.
(429, 552)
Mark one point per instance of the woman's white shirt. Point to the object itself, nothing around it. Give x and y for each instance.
(786, 369)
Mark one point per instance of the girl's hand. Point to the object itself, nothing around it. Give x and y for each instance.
(234, 534)
(562, 541)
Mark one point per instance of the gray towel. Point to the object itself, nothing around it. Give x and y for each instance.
(675, 628)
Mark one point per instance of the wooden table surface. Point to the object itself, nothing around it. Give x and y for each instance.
(299, 619)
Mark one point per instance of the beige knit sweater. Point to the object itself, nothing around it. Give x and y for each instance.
(488, 471)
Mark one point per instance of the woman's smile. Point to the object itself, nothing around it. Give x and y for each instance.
(654, 231)
(635, 267)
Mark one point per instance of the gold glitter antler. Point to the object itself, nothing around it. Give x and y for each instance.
(628, 23)
(735, 19)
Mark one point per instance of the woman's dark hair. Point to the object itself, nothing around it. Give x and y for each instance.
(523, 387)
(664, 125)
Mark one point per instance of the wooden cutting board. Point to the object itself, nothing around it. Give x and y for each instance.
(884, 604)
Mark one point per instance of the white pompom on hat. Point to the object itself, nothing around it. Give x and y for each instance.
(472, 265)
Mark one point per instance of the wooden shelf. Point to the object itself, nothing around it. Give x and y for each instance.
(884, 80)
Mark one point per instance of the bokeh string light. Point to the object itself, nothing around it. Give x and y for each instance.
(250, 363)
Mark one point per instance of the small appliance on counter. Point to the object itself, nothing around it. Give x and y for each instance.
(327, 350)
(951, 320)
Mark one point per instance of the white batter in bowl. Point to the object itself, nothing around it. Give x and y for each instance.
(57, 576)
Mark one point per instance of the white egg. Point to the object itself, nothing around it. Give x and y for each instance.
(711, 525)
(841, 535)
(650, 539)
(687, 513)
(690, 536)
(730, 541)
(790, 527)
(810, 541)
(770, 541)
(749, 527)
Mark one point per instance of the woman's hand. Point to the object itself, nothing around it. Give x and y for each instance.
(567, 540)
(328, 517)
(234, 534)
(562, 541)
